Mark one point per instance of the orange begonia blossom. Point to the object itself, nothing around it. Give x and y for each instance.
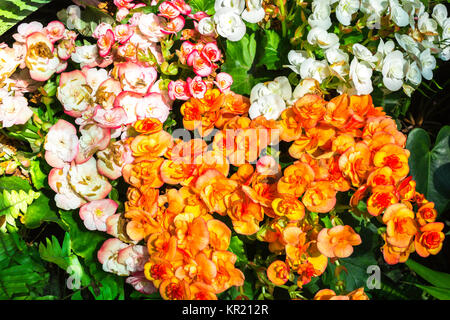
(296, 179)
(227, 274)
(429, 240)
(289, 207)
(381, 177)
(355, 163)
(394, 157)
(406, 189)
(175, 289)
(313, 139)
(379, 201)
(219, 234)
(148, 146)
(328, 294)
(393, 255)
(400, 225)
(320, 196)
(310, 109)
(148, 125)
(289, 125)
(426, 213)
(337, 111)
(278, 272)
(141, 225)
(145, 172)
(338, 241)
(245, 214)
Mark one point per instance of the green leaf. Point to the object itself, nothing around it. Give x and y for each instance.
(202, 5)
(239, 60)
(14, 183)
(271, 57)
(237, 247)
(438, 293)
(436, 278)
(37, 175)
(430, 166)
(40, 211)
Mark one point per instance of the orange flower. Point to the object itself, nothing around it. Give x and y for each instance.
(147, 201)
(358, 294)
(310, 109)
(407, 189)
(295, 179)
(337, 112)
(157, 270)
(245, 214)
(393, 255)
(145, 172)
(337, 241)
(148, 125)
(227, 274)
(192, 233)
(394, 157)
(141, 225)
(174, 289)
(381, 177)
(233, 105)
(305, 272)
(149, 146)
(202, 291)
(215, 190)
(315, 138)
(278, 272)
(328, 294)
(426, 213)
(379, 201)
(342, 142)
(290, 127)
(429, 240)
(219, 234)
(320, 197)
(386, 125)
(355, 163)
(400, 225)
(289, 207)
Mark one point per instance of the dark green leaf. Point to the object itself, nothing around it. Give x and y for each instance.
(436, 278)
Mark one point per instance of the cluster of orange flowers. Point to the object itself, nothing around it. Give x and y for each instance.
(342, 144)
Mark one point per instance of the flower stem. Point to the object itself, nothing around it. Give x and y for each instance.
(282, 17)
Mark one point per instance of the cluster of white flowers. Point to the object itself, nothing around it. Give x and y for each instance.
(403, 62)
(229, 16)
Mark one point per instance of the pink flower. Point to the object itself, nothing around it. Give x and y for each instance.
(168, 10)
(61, 144)
(141, 283)
(178, 90)
(101, 30)
(105, 43)
(93, 138)
(95, 213)
(136, 78)
(110, 118)
(199, 15)
(111, 160)
(66, 198)
(175, 25)
(14, 110)
(182, 6)
(25, 29)
(212, 52)
(201, 65)
(197, 87)
(55, 31)
(153, 106)
(123, 32)
(223, 81)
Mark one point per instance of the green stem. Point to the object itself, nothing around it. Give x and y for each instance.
(283, 17)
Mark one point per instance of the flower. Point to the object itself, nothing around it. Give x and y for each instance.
(95, 213)
(61, 144)
(400, 225)
(360, 74)
(345, 9)
(429, 240)
(337, 241)
(14, 110)
(393, 70)
(278, 272)
(254, 12)
(229, 24)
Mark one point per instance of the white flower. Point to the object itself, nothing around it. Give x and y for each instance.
(229, 24)
(206, 26)
(150, 25)
(314, 69)
(236, 5)
(393, 70)
(95, 77)
(320, 17)
(14, 110)
(440, 13)
(408, 44)
(383, 50)
(446, 30)
(444, 55)
(399, 16)
(254, 12)
(258, 91)
(296, 58)
(373, 9)
(360, 74)
(322, 38)
(61, 144)
(428, 63)
(338, 61)
(270, 106)
(362, 53)
(345, 9)
(413, 74)
(85, 55)
(426, 25)
(281, 87)
(304, 87)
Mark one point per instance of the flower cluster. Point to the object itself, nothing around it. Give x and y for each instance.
(401, 63)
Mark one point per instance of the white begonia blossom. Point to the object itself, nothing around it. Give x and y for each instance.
(296, 58)
(444, 55)
(320, 17)
(229, 24)
(314, 69)
(446, 30)
(408, 44)
(383, 50)
(151, 25)
(95, 77)
(236, 5)
(85, 55)
(426, 25)
(206, 26)
(399, 16)
(345, 9)
(362, 53)
(361, 74)
(322, 38)
(14, 110)
(254, 12)
(440, 13)
(338, 61)
(427, 63)
(393, 70)
(304, 87)
(413, 74)
(281, 86)
(373, 9)
(258, 91)
(270, 106)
